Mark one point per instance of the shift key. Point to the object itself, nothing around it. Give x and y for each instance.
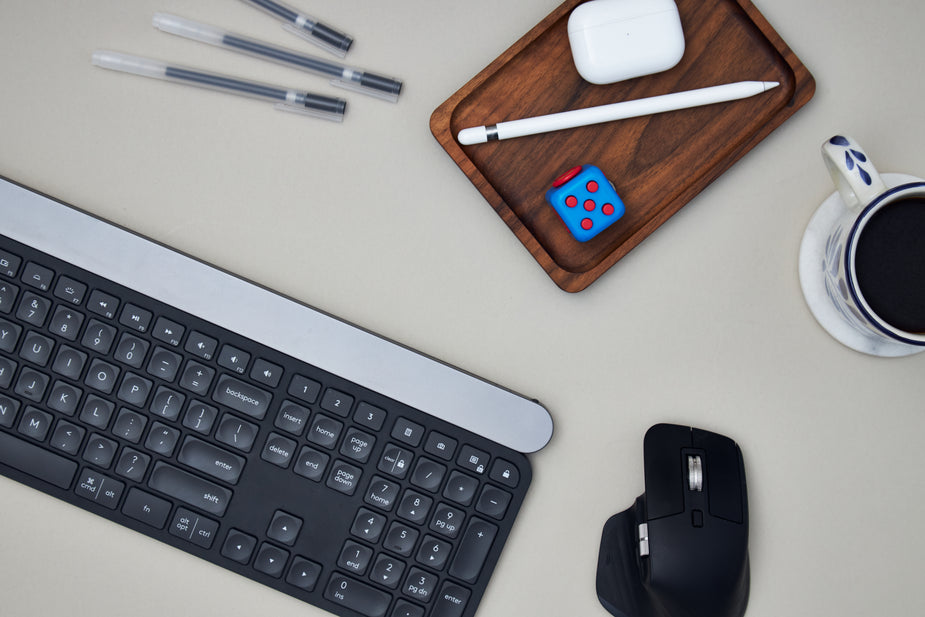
(242, 397)
(190, 489)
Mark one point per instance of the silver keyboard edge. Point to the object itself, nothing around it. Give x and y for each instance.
(350, 352)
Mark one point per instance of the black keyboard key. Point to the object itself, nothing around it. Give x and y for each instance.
(162, 439)
(369, 416)
(37, 276)
(311, 463)
(71, 291)
(395, 460)
(64, 398)
(337, 402)
(368, 525)
(473, 550)
(35, 423)
(186, 487)
(96, 412)
(168, 331)
(102, 489)
(37, 462)
(8, 409)
(136, 318)
(344, 477)
(8, 293)
(278, 450)
(304, 573)
(132, 464)
(304, 389)
(146, 508)
(357, 445)
(131, 350)
(239, 546)
(433, 552)
(284, 527)
(415, 507)
(382, 493)
(473, 459)
(9, 263)
(360, 597)
(242, 397)
(100, 451)
(447, 520)
(211, 460)
(98, 337)
(200, 417)
(167, 403)
(7, 370)
(403, 608)
(197, 378)
(504, 472)
(325, 431)
(236, 433)
(134, 389)
(36, 348)
(420, 585)
(234, 359)
(271, 560)
(440, 445)
(164, 364)
(451, 601)
(408, 432)
(69, 362)
(387, 571)
(292, 418)
(129, 425)
(493, 502)
(103, 304)
(266, 373)
(9, 334)
(201, 345)
(191, 526)
(66, 323)
(355, 557)
(31, 384)
(33, 309)
(461, 488)
(401, 539)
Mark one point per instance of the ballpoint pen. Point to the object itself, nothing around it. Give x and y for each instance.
(286, 99)
(614, 111)
(346, 77)
(307, 27)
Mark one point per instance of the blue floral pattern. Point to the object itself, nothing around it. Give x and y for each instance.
(853, 158)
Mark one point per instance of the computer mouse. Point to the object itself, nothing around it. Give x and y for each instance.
(681, 550)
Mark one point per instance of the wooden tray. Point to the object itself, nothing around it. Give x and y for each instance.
(657, 163)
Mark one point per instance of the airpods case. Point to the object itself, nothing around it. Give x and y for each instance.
(613, 40)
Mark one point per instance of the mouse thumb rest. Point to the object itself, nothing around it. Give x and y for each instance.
(623, 585)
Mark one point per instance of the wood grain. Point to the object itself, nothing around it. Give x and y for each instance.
(657, 163)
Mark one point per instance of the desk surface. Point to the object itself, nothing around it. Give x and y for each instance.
(702, 324)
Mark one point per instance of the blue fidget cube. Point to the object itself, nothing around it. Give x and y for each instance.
(586, 201)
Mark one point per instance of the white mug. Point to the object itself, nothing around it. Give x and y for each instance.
(842, 290)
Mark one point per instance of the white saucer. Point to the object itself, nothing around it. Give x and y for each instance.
(812, 250)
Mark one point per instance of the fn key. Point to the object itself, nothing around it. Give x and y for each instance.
(146, 508)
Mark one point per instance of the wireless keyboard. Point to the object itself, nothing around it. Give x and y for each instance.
(249, 430)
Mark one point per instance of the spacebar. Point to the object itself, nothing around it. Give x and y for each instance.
(37, 462)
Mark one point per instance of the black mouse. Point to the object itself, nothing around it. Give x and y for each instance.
(681, 550)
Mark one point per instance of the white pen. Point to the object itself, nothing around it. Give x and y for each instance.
(614, 111)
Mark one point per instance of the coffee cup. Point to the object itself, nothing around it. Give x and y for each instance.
(862, 259)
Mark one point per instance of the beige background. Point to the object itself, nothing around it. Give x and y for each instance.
(702, 324)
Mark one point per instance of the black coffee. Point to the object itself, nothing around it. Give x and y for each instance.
(890, 264)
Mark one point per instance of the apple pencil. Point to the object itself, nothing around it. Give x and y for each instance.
(614, 111)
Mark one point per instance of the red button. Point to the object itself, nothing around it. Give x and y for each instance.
(571, 173)
(571, 201)
(589, 205)
(607, 209)
(591, 186)
(587, 224)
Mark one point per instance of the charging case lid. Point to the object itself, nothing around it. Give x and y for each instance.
(613, 40)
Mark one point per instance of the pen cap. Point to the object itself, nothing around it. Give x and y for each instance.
(188, 28)
(129, 64)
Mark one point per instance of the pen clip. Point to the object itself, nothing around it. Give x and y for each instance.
(361, 89)
(314, 40)
(314, 113)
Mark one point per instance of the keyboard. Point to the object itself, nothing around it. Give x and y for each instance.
(247, 429)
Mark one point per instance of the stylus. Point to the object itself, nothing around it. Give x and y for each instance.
(346, 77)
(286, 99)
(614, 111)
(307, 27)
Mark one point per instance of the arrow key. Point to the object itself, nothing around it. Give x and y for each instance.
(239, 546)
(271, 560)
(284, 527)
(387, 571)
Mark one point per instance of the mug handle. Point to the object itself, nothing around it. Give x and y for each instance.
(852, 171)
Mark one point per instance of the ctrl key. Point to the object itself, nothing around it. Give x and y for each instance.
(357, 596)
(190, 526)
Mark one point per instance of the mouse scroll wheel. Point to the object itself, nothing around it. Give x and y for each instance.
(695, 473)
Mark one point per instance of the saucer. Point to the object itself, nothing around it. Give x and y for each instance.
(812, 280)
